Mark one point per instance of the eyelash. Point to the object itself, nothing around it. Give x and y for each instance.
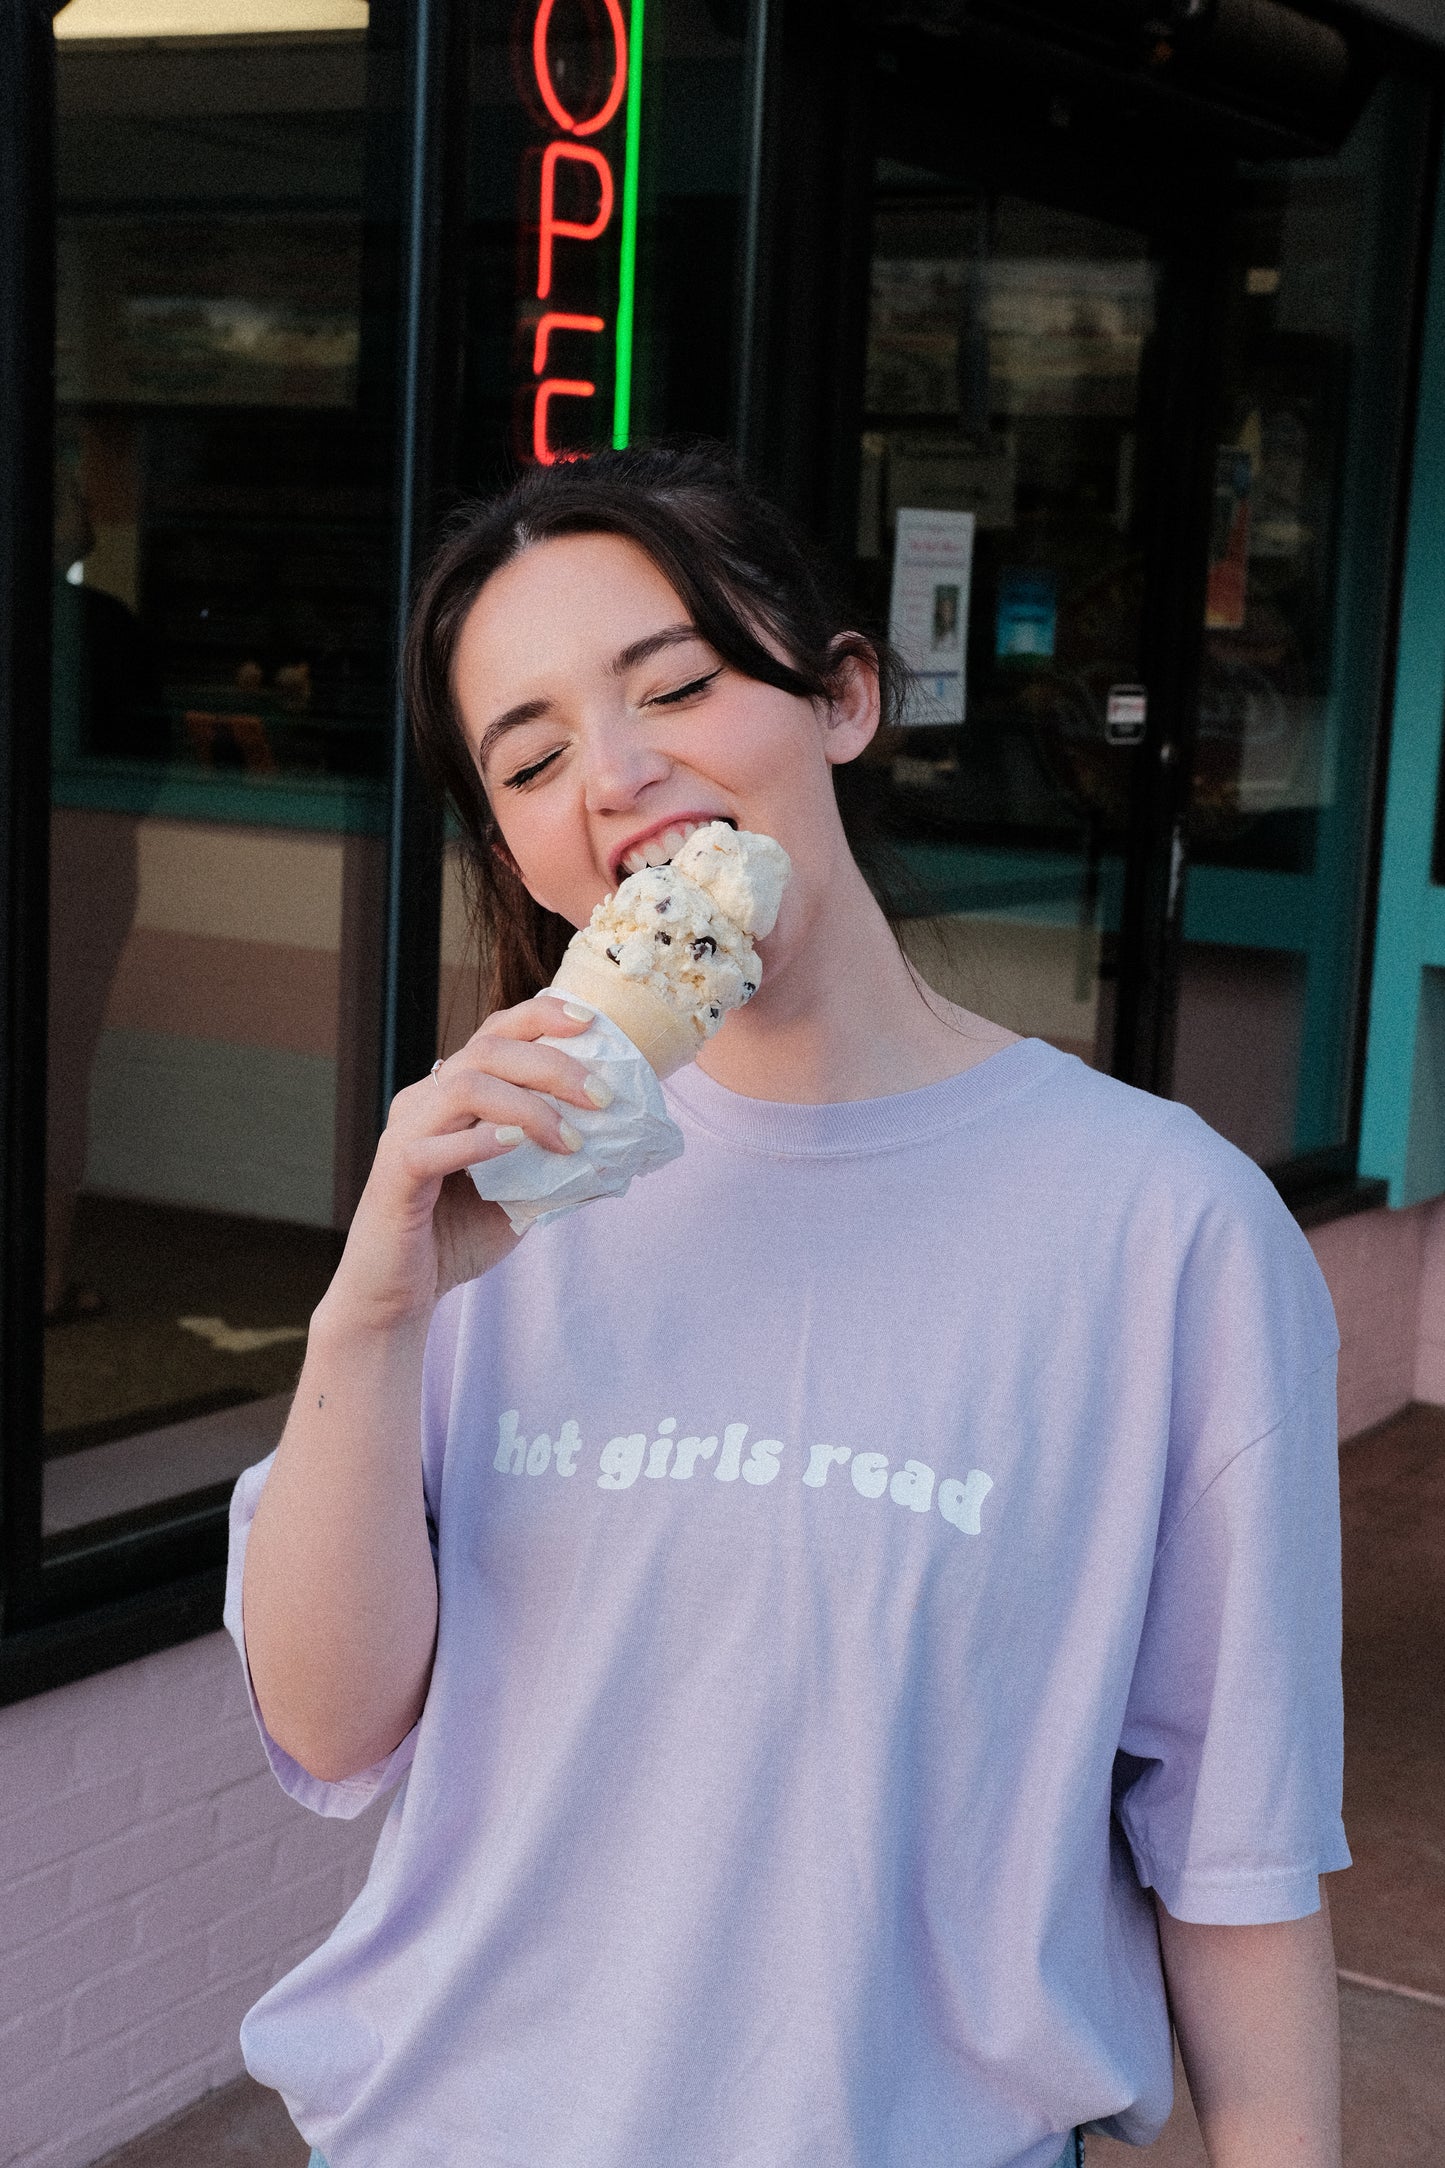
(524, 776)
(668, 700)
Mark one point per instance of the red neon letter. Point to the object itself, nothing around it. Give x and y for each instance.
(543, 70)
(583, 155)
(555, 387)
(553, 321)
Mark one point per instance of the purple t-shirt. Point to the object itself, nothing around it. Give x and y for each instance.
(873, 1553)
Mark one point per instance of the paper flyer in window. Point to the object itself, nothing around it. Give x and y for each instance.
(928, 611)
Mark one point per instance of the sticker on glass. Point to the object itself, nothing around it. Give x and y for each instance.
(1126, 711)
(1028, 614)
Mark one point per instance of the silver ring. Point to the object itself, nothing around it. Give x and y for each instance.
(436, 1067)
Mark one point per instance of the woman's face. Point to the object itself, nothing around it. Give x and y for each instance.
(603, 725)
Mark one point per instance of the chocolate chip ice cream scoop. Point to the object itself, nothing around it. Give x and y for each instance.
(671, 952)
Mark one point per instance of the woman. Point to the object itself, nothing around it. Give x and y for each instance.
(847, 1609)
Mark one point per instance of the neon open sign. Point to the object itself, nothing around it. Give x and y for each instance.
(581, 273)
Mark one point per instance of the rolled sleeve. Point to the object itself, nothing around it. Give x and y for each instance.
(343, 1800)
(1228, 1781)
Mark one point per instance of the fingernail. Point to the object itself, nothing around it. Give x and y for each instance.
(599, 1093)
(569, 1136)
(509, 1133)
(578, 1016)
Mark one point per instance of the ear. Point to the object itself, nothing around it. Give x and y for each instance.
(507, 862)
(852, 716)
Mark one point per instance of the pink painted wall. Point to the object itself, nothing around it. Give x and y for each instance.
(1386, 1272)
(154, 1879)
(1430, 1325)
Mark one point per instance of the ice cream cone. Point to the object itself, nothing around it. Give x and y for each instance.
(664, 1038)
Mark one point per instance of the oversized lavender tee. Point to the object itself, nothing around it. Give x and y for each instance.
(873, 1554)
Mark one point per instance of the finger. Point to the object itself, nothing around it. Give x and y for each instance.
(449, 1105)
(429, 1159)
(449, 1094)
(490, 1102)
(527, 1062)
(553, 1014)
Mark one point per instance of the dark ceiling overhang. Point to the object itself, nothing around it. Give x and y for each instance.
(1421, 18)
(1269, 78)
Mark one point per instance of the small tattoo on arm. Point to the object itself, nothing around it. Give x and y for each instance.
(322, 1401)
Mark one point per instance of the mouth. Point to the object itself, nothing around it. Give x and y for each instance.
(663, 845)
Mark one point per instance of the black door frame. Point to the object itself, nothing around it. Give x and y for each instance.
(27, 406)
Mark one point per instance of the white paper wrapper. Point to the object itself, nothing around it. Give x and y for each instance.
(635, 1135)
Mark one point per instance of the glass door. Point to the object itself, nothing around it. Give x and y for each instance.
(1316, 326)
(1000, 537)
(1128, 457)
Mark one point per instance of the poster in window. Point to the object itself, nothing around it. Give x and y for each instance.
(928, 612)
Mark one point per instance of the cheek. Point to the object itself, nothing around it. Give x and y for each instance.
(544, 850)
(771, 746)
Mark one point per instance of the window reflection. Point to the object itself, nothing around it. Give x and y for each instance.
(1007, 343)
(1290, 691)
(219, 703)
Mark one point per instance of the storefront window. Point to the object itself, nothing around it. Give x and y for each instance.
(222, 558)
(1296, 612)
(1026, 381)
(1005, 366)
(997, 539)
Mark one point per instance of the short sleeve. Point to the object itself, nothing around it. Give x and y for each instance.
(1228, 1779)
(341, 1801)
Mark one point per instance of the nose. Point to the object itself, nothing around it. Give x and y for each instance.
(619, 767)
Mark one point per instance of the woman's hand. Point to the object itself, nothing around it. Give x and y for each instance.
(420, 1227)
(340, 1593)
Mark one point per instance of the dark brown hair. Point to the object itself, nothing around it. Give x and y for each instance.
(740, 572)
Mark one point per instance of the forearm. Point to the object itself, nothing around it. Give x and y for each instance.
(339, 1595)
(1256, 2011)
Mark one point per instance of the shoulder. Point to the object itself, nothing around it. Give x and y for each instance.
(1147, 1148)
(1205, 1270)
(1180, 1207)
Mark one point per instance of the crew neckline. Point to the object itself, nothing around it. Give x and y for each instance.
(843, 1127)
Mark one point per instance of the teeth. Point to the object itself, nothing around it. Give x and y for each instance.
(659, 849)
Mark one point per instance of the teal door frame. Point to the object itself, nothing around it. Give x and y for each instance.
(1402, 1137)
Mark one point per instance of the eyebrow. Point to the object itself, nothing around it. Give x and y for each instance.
(526, 711)
(531, 711)
(653, 644)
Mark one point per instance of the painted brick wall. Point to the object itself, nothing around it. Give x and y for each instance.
(154, 1879)
(1430, 1335)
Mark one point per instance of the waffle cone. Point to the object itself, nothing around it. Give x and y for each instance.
(665, 1039)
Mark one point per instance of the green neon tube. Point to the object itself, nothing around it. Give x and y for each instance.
(627, 266)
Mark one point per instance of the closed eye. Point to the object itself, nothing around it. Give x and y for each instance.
(523, 776)
(683, 692)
